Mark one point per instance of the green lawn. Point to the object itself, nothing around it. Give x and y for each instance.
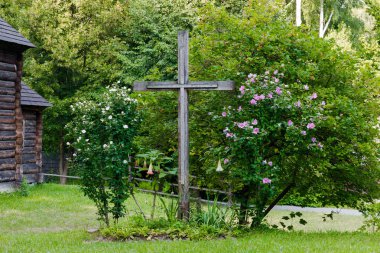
(55, 218)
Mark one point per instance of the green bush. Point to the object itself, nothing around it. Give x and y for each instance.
(103, 129)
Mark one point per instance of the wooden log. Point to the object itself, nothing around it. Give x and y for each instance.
(8, 75)
(29, 136)
(7, 57)
(7, 127)
(7, 113)
(28, 158)
(7, 175)
(7, 121)
(7, 154)
(7, 145)
(7, 66)
(7, 84)
(30, 123)
(7, 98)
(8, 138)
(7, 91)
(30, 130)
(8, 166)
(28, 150)
(7, 161)
(7, 106)
(29, 143)
(7, 133)
(28, 168)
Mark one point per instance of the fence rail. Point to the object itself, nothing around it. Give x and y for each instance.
(229, 193)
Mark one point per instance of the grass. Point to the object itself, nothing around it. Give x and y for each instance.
(55, 218)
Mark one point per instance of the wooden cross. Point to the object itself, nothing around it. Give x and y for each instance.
(183, 85)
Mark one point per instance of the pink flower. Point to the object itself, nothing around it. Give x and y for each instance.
(228, 135)
(290, 123)
(306, 87)
(253, 102)
(320, 145)
(239, 108)
(276, 80)
(262, 96)
(310, 125)
(243, 124)
(266, 180)
(275, 72)
(256, 130)
(303, 132)
(313, 96)
(313, 139)
(278, 90)
(256, 97)
(224, 114)
(270, 95)
(226, 161)
(242, 89)
(254, 122)
(297, 104)
(252, 80)
(270, 163)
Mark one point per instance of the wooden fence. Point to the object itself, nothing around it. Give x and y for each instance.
(171, 195)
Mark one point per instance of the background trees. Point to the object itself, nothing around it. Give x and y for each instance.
(85, 45)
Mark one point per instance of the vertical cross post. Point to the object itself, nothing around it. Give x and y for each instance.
(183, 126)
(183, 85)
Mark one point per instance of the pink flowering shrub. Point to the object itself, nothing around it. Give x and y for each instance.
(269, 124)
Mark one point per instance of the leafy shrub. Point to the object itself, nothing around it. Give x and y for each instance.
(371, 213)
(103, 129)
(24, 189)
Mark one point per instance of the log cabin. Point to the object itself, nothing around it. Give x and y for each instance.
(20, 114)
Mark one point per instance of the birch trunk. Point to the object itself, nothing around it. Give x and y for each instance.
(321, 20)
(298, 13)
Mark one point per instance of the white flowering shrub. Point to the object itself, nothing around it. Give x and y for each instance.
(103, 129)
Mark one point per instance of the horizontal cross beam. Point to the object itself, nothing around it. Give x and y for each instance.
(198, 85)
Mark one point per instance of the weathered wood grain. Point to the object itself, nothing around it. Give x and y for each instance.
(7, 106)
(7, 145)
(7, 175)
(7, 113)
(7, 91)
(8, 75)
(7, 66)
(7, 98)
(8, 138)
(29, 143)
(8, 57)
(7, 84)
(28, 158)
(7, 154)
(7, 127)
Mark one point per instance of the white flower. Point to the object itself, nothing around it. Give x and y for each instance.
(111, 142)
(219, 167)
(110, 117)
(68, 143)
(105, 146)
(83, 131)
(125, 161)
(125, 126)
(107, 108)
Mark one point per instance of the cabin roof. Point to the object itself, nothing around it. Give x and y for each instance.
(31, 98)
(10, 36)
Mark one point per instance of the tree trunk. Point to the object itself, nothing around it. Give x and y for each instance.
(298, 12)
(321, 20)
(62, 164)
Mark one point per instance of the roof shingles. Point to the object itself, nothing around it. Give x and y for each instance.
(10, 35)
(31, 98)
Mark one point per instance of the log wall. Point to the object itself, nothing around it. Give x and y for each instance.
(32, 145)
(10, 140)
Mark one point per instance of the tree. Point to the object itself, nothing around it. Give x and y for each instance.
(348, 170)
